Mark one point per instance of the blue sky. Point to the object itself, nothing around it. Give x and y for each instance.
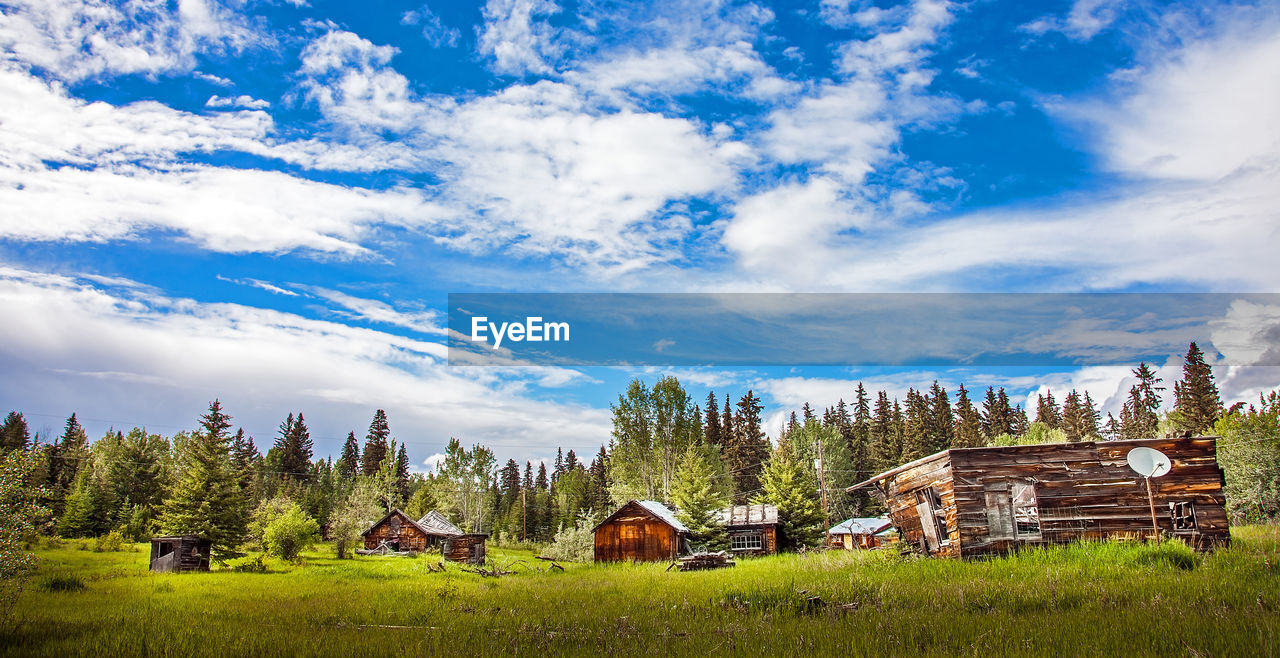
(268, 202)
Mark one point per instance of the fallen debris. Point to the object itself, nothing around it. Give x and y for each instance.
(699, 561)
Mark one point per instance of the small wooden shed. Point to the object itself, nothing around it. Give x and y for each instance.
(398, 532)
(180, 553)
(640, 531)
(858, 533)
(752, 529)
(966, 502)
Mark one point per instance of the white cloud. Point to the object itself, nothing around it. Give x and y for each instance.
(515, 37)
(434, 31)
(159, 361)
(1083, 21)
(372, 310)
(78, 39)
(348, 77)
(241, 102)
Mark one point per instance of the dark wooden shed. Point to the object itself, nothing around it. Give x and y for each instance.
(967, 502)
(180, 553)
(398, 532)
(752, 529)
(640, 531)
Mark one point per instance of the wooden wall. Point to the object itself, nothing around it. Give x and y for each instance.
(768, 536)
(930, 479)
(1088, 491)
(399, 527)
(633, 534)
(465, 548)
(179, 554)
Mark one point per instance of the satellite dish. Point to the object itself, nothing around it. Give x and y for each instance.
(1148, 462)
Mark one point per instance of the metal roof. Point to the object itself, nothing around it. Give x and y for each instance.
(737, 515)
(436, 523)
(860, 526)
(663, 512)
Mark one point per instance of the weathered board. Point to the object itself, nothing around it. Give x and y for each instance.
(180, 553)
(998, 499)
(400, 533)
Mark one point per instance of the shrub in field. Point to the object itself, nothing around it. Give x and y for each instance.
(62, 582)
(19, 508)
(353, 515)
(111, 542)
(291, 533)
(248, 564)
(574, 544)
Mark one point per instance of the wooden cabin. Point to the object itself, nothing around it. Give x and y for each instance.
(858, 533)
(640, 531)
(400, 533)
(180, 553)
(752, 529)
(968, 502)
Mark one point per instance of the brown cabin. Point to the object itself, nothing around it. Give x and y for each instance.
(640, 531)
(752, 529)
(398, 532)
(180, 553)
(858, 533)
(967, 502)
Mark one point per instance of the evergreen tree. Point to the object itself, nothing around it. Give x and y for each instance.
(697, 500)
(712, 432)
(69, 454)
(600, 482)
(1196, 403)
(295, 449)
(1047, 411)
(349, 462)
(1140, 419)
(571, 461)
(402, 472)
(916, 442)
(206, 500)
(789, 486)
(375, 443)
(968, 432)
(1074, 424)
(14, 434)
(885, 453)
(746, 452)
(941, 422)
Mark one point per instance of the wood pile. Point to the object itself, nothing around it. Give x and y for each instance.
(699, 561)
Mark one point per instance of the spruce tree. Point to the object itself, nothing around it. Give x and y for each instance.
(968, 433)
(884, 454)
(941, 422)
(1074, 421)
(745, 455)
(14, 434)
(402, 472)
(375, 446)
(206, 499)
(349, 462)
(711, 429)
(295, 446)
(1047, 411)
(1140, 419)
(1196, 400)
(916, 442)
(789, 486)
(697, 500)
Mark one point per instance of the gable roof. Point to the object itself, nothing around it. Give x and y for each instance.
(407, 518)
(739, 515)
(654, 508)
(438, 524)
(860, 526)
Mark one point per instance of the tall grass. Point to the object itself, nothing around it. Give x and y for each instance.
(1087, 599)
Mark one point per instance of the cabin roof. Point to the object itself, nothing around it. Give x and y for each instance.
(1011, 450)
(861, 526)
(436, 523)
(739, 515)
(654, 508)
(406, 518)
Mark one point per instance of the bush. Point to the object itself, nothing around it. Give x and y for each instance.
(247, 565)
(291, 533)
(112, 542)
(62, 582)
(574, 544)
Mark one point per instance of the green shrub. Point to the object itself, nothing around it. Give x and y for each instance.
(290, 533)
(112, 542)
(247, 564)
(62, 582)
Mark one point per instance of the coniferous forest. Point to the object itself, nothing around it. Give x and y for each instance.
(697, 456)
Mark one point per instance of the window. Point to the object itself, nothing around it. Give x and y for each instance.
(1026, 510)
(747, 541)
(1183, 516)
(933, 518)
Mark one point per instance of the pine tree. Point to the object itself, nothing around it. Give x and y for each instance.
(375, 443)
(790, 487)
(697, 499)
(941, 422)
(600, 482)
(294, 444)
(1196, 400)
(402, 472)
(1074, 423)
(1047, 411)
(746, 453)
(711, 429)
(69, 454)
(916, 441)
(884, 453)
(206, 500)
(349, 462)
(1140, 419)
(14, 434)
(968, 432)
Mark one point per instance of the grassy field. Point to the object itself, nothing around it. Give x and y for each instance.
(1086, 599)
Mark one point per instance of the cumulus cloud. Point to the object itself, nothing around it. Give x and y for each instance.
(1082, 22)
(516, 36)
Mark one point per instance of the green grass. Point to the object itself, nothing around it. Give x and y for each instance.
(1086, 599)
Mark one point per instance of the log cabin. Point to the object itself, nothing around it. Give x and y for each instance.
(752, 529)
(400, 533)
(180, 553)
(967, 502)
(640, 531)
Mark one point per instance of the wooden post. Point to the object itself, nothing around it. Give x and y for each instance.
(822, 483)
(1155, 528)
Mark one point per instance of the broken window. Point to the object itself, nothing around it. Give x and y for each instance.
(933, 518)
(1184, 517)
(747, 541)
(1026, 510)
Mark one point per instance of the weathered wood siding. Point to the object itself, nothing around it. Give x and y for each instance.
(633, 534)
(768, 539)
(1086, 491)
(180, 553)
(915, 494)
(465, 548)
(399, 530)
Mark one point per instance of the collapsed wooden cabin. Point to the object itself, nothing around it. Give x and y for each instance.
(397, 532)
(752, 529)
(180, 553)
(858, 533)
(967, 502)
(640, 531)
